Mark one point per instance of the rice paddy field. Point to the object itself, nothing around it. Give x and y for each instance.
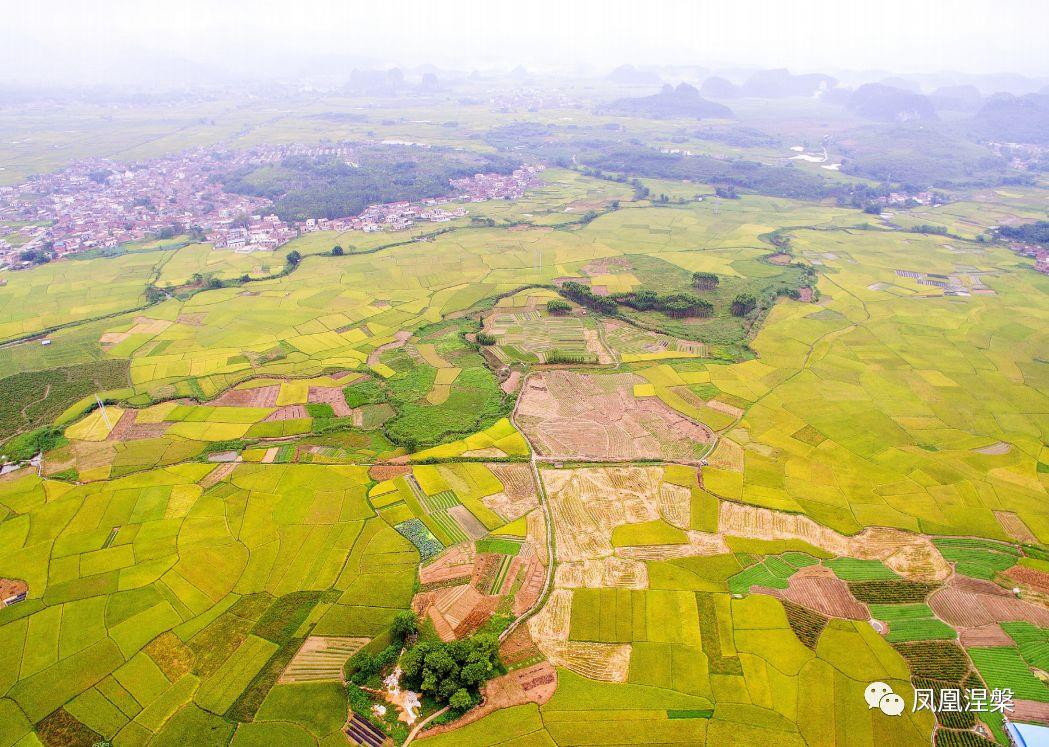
(708, 530)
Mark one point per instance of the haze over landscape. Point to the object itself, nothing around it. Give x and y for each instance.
(533, 374)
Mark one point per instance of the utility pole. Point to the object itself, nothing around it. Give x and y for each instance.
(105, 415)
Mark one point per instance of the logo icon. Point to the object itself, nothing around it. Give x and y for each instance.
(879, 695)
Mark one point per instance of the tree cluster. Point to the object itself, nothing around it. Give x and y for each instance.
(585, 297)
(743, 304)
(558, 307)
(1034, 233)
(705, 280)
(452, 673)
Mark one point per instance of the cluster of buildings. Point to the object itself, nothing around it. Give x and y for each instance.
(1038, 253)
(1022, 156)
(266, 233)
(99, 203)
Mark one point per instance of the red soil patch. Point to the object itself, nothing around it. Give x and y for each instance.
(988, 635)
(1031, 577)
(330, 395)
(780, 259)
(477, 617)
(817, 588)
(399, 339)
(805, 295)
(261, 396)
(485, 568)
(457, 562)
(10, 587)
(512, 382)
(1030, 710)
(288, 412)
(532, 586)
(123, 426)
(387, 471)
(975, 604)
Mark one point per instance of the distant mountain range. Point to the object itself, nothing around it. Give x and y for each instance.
(1014, 119)
(888, 104)
(682, 101)
(769, 84)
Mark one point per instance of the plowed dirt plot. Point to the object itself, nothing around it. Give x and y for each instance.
(974, 604)
(531, 587)
(1030, 576)
(330, 395)
(261, 396)
(288, 412)
(387, 471)
(568, 415)
(988, 635)
(1030, 710)
(456, 562)
(11, 587)
(817, 588)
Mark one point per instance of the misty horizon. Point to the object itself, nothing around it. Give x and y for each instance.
(125, 44)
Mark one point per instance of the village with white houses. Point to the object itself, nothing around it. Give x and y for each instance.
(101, 204)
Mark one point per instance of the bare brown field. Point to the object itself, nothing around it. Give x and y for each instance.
(974, 604)
(216, 475)
(817, 588)
(1030, 710)
(512, 382)
(288, 412)
(262, 396)
(533, 579)
(387, 471)
(987, 635)
(468, 522)
(455, 562)
(565, 414)
(10, 587)
(1031, 577)
(330, 395)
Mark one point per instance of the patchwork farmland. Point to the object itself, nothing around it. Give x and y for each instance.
(219, 504)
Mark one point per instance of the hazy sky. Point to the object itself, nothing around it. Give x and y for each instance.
(91, 38)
